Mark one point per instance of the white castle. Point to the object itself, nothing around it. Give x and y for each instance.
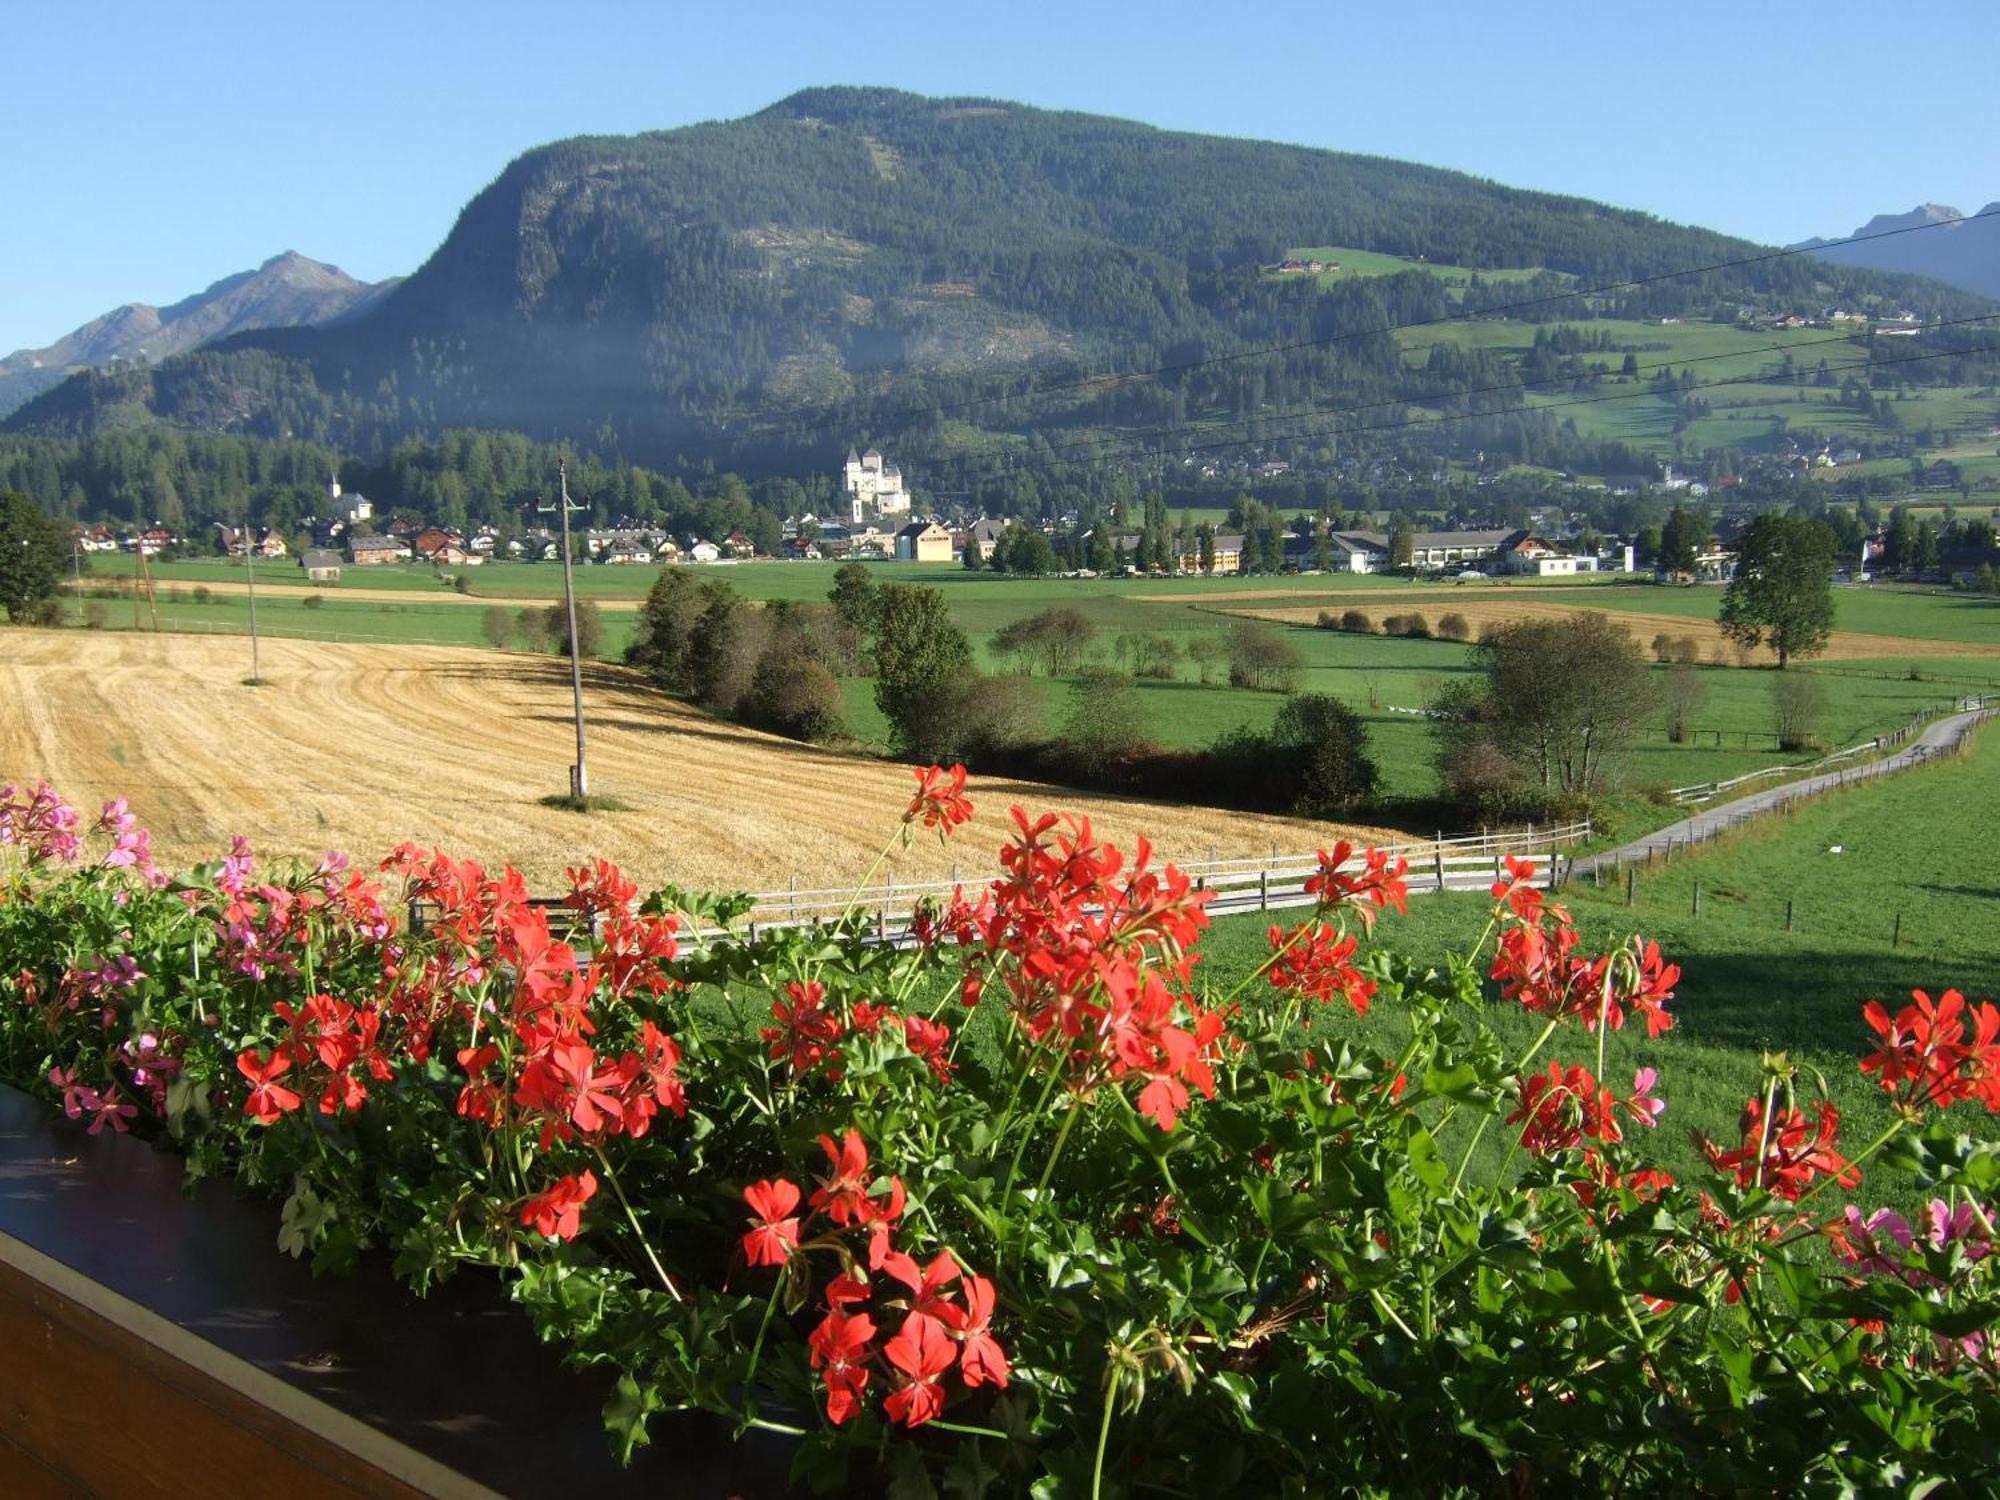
(872, 485)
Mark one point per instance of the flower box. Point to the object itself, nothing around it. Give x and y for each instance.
(154, 1340)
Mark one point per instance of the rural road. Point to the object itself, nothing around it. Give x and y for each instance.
(1943, 735)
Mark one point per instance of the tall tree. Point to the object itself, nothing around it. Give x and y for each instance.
(921, 659)
(1681, 538)
(33, 549)
(1783, 589)
(1402, 541)
(1559, 699)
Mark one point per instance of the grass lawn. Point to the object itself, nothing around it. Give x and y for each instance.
(1917, 844)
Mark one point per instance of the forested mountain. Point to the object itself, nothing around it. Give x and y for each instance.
(287, 291)
(867, 265)
(1963, 255)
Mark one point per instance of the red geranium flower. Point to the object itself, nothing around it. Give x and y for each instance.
(1788, 1155)
(922, 1351)
(1375, 886)
(556, 1211)
(981, 1360)
(268, 1098)
(840, 1349)
(776, 1234)
(1562, 1108)
(843, 1196)
(940, 800)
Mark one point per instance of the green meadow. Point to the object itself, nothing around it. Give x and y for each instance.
(1915, 845)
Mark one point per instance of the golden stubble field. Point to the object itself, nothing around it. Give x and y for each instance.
(359, 747)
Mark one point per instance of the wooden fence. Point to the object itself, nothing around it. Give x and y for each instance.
(1707, 791)
(1259, 883)
(1237, 885)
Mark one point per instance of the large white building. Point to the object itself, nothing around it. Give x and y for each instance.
(873, 487)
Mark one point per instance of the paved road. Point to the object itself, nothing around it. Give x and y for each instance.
(1936, 738)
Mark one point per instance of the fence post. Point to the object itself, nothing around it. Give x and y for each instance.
(1696, 911)
(1788, 913)
(1631, 884)
(882, 924)
(1263, 890)
(1437, 859)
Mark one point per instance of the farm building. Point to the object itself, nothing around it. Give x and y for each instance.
(321, 564)
(367, 551)
(923, 541)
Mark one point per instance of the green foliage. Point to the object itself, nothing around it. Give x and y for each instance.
(1262, 659)
(34, 549)
(794, 694)
(920, 659)
(1351, 1254)
(1055, 639)
(589, 628)
(1798, 703)
(1558, 702)
(1682, 536)
(1783, 589)
(1104, 720)
(1323, 748)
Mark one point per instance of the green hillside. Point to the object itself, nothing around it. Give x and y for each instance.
(862, 264)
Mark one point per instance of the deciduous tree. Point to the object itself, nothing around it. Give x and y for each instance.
(1783, 589)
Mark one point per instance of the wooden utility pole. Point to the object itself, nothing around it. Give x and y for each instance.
(250, 578)
(579, 775)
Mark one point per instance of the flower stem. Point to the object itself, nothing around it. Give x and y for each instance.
(1055, 1151)
(633, 1219)
(1104, 1431)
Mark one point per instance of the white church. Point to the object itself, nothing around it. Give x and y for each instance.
(872, 486)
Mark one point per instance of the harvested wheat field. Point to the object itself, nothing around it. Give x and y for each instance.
(359, 747)
(1480, 613)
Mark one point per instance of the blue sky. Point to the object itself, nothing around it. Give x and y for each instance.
(151, 148)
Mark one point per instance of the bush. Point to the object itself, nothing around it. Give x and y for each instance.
(1687, 650)
(497, 625)
(1663, 648)
(723, 653)
(201, 593)
(1416, 626)
(1158, 657)
(1322, 747)
(313, 601)
(1208, 653)
(1798, 704)
(1356, 622)
(1685, 694)
(1327, 620)
(1453, 627)
(95, 616)
(1103, 721)
(1263, 660)
(589, 628)
(996, 717)
(795, 695)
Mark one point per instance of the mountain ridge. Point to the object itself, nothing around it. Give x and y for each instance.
(766, 288)
(1964, 254)
(288, 289)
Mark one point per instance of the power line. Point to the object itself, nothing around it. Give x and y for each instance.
(775, 424)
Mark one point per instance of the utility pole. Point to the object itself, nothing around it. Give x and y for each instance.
(579, 776)
(250, 574)
(76, 567)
